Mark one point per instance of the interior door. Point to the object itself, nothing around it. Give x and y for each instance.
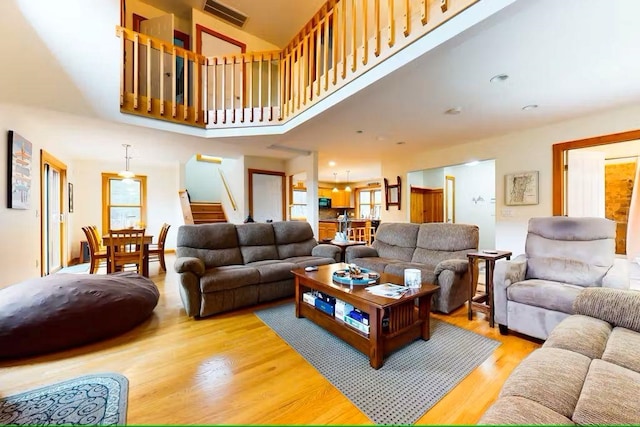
(267, 195)
(161, 28)
(585, 183)
(52, 194)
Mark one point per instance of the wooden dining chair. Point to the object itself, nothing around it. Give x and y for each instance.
(126, 248)
(97, 256)
(156, 250)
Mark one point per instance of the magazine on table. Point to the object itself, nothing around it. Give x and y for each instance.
(388, 290)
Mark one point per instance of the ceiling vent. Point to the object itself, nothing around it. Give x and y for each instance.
(225, 13)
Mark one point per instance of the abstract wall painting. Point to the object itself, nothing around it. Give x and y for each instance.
(19, 179)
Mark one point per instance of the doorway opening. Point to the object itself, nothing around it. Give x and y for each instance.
(53, 182)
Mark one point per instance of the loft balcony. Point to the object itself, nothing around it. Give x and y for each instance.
(344, 40)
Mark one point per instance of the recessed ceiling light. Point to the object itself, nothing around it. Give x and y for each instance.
(499, 78)
(400, 143)
(530, 107)
(359, 131)
(332, 163)
(454, 110)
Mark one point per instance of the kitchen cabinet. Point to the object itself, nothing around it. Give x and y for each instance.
(327, 230)
(341, 199)
(325, 192)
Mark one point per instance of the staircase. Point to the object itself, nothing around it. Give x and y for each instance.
(201, 212)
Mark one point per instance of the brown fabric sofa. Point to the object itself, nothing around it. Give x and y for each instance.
(227, 266)
(587, 372)
(438, 250)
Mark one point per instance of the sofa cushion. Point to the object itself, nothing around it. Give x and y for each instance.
(373, 263)
(609, 396)
(308, 260)
(518, 410)
(430, 258)
(257, 242)
(273, 270)
(552, 377)
(396, 240)
(228, 277)
(214, 244)
(623, 349)
(448, 237)
(545, 294)
(582, 334)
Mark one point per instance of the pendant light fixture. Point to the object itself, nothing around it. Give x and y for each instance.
(335, 182)
(126, 173)
(347, 188)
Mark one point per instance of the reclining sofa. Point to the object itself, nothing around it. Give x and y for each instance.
(438, 250)
(227, 266)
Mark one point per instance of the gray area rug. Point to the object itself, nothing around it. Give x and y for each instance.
(99, 399)
(412, 378)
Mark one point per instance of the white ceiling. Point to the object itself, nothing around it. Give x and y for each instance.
(571, 58)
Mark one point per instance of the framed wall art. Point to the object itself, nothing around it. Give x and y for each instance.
(19, 167)
(70, 198)
(521, 188)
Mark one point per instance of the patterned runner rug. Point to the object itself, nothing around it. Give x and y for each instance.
(88, 400)
(410, 382)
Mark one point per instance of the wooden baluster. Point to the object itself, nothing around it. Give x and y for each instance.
(335, 24)
(365, 36)
(326, 53)
(233, 89)
(223, 82)
(298, 93)
(148, 44)
(308, 90)
(250, 85)
(269, 87)
(444, 5)
(162, 79)
(392, 24)
(344, 38)
(319, 56)
(354, 37)
(136, 70)
(376, 18)
(196, 94)
(205, 90)
(214, 86)
(260, 87)
(243, 98)
(407, 18)
(424, 14)
(284, 86)
(123, 47)
(185, 85)
(174, 104)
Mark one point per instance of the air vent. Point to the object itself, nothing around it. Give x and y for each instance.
(225, 13)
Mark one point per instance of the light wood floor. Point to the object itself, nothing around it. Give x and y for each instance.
(233, 369)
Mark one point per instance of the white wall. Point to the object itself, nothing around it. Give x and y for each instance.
(309, 166)
(472, 182)
(203, 181)
(519, 151)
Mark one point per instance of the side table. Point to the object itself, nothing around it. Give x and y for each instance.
(483, 302)
(343, 245)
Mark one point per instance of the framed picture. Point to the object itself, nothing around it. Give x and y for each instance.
(521, 188)
(19, 177)
(70, 197)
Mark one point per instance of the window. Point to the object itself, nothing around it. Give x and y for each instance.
(369, 204)
(298, 208)
(123, 202)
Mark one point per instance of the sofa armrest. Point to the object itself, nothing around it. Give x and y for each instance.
(504, 274)
(458, 266)
(189, 264)
(618, 275)
(619, 307)
(354, 252)
(326, 251)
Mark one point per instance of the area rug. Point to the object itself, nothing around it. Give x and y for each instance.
(412, 379)
(99, 399)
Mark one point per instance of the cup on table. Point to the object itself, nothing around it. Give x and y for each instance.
(412, 278)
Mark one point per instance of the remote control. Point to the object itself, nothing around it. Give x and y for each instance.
(490, 252)
(311, 268)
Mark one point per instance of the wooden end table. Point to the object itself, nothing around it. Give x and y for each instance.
(344, 245)
(483, 302)
(408, 321)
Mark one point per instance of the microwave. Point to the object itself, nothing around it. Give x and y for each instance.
(324, 202)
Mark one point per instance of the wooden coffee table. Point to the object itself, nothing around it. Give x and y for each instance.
(408, 321)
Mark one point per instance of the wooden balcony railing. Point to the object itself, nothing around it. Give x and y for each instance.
(342, 41)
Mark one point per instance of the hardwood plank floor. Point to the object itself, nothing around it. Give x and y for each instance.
(233, 369)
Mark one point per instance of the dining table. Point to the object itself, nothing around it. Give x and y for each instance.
(148, 238)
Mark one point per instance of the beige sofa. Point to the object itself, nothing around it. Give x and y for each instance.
(227, 266)
(438, 250)
(587, 372)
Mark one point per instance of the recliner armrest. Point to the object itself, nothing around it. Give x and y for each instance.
(192, 264)
(458, 266)
(504, 274)
(354, 252)
(326, 251)
(618, 275)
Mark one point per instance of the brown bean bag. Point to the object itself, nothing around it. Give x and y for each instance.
(59, 311)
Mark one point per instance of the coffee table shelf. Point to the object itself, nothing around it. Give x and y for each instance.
(407, 322)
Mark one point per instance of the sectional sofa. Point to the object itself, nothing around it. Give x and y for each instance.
(227, 266)
(587, 372)
(438, 250)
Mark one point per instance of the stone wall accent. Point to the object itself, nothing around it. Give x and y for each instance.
(618, 185)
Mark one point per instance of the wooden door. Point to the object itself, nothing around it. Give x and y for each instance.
(426, 205)
(162, 28)
(416, 203)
